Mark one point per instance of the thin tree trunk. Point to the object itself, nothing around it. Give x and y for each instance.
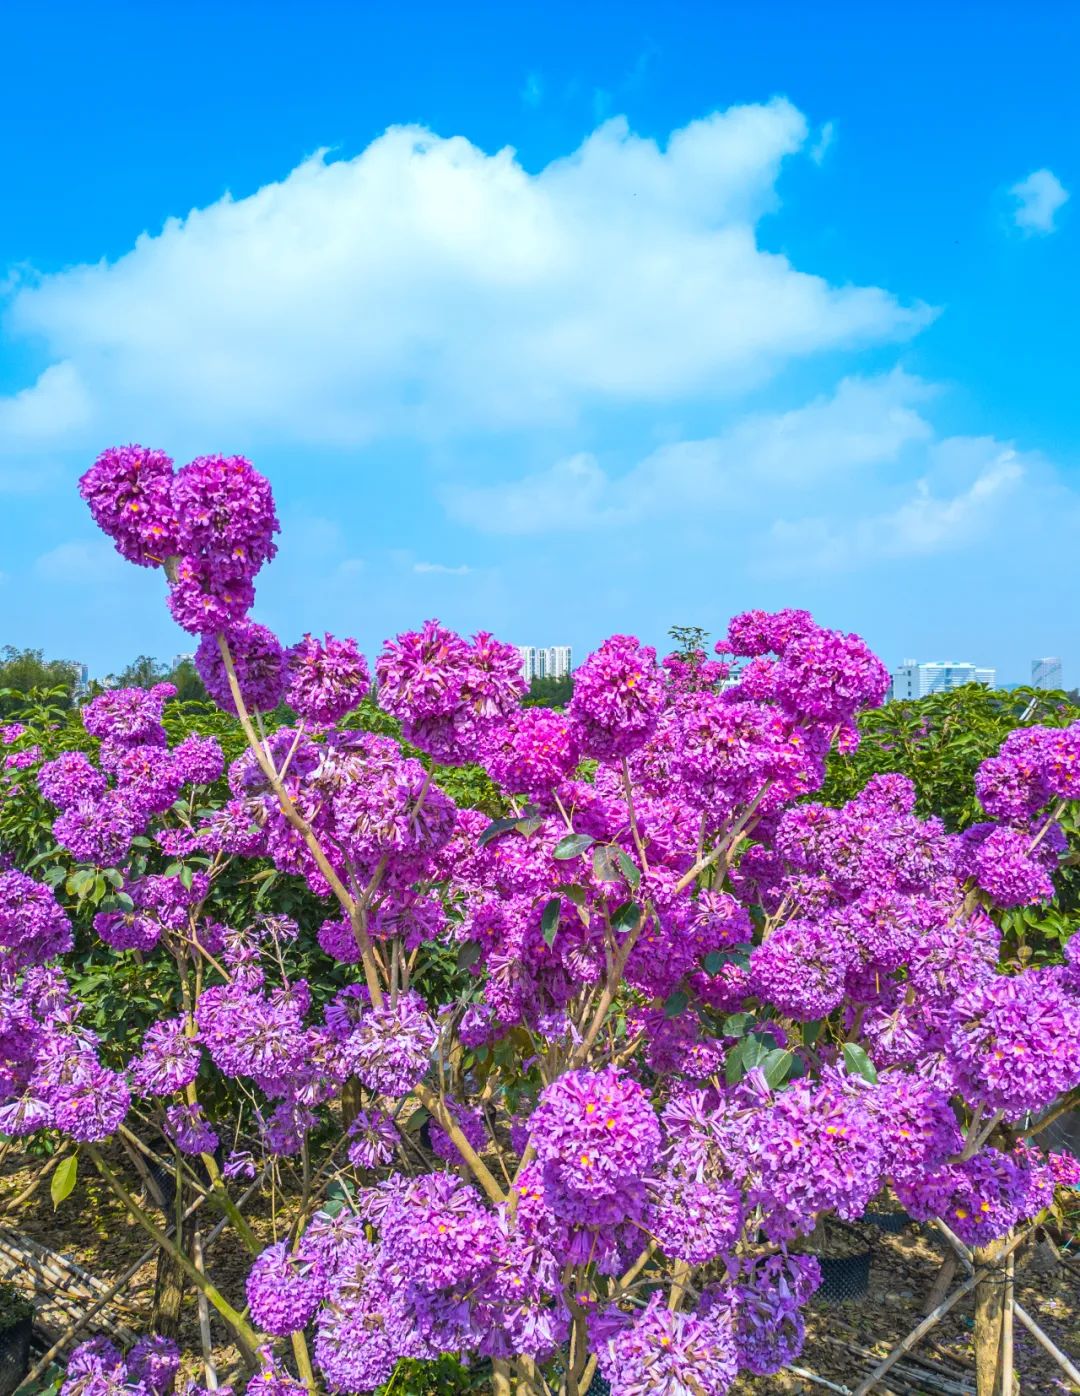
(989, 1315)
(169, 1286)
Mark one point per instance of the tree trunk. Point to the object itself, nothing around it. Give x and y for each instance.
(169, 1289)
(989, 1315)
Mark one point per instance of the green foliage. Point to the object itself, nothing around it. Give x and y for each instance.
(549, 693)
(939, 742)
(14, 1306)
(689, 640)
(443, 1377)
(24, 672)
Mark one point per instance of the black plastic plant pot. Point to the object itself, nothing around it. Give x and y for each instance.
(599, 1386)
(892, 1222)
(15, 1353)
(844, 1277)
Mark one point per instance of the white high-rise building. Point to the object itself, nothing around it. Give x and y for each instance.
(557, 661)
(1046, 673)
(553, 662)
(915, 680)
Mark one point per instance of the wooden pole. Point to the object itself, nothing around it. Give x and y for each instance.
(1008, 1382)
(1040, 1337)
(989, 1317)
(204, 1315)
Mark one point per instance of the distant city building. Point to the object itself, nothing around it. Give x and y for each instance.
(915, 680)
(554, 662)
(1046, 673)
(179, 659)
(82, 683)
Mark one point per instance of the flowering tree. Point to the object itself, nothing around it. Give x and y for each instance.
(698, 1012)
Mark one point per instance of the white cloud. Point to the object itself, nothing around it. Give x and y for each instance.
(425, 288)
(923, 525)
(442, 569)
(824, 142)
(866, 423)
(79, 562)
(1038, 198)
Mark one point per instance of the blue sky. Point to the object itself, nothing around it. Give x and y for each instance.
(554, 320)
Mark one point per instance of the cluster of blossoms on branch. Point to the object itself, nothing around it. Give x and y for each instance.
(696, 1010)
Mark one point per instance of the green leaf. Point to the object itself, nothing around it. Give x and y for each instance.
(529, 825)
(625, 917)
(858, 1062)
(734, 1070)
(715, 960)
(187, 877)
(173, 870)
(497, 827)
(676, 1003)
(603, 861)
(469, 953)
(417, 1120)
(549, 921)
(630, 869)
(64, 1178)
(573, 893)
(811, 1032)
(573, 846)
(776, 1065)
(736, 1024)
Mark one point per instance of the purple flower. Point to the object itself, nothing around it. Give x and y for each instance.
(129, 491)
(1006, 869)
(258, 660)
(597, 1135)
(532, 752)
(33, 926)
(189, 1129)
(438, 1230)
(390, 1048)
(373, 1137)
(128, 716)
(326, 679)
(97, 831)
(471, 1124)
(283, 1290)
(801, 970)
(70, 779)
(618, 695)
(664, 1351)
(1016, 1041)
(153, 1362)
(169, 1060)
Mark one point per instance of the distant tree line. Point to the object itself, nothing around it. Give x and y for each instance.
(23, 671)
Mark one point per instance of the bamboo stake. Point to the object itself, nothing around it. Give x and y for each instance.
(122, 1282)
(818, 1381)
(1007, 1381)
(204, 1315)
(935, 1317)
(1040, 1337)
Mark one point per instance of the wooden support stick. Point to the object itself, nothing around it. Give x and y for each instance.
(935, 1317)
(1007, 1379)
(204, 1316)
(1040, 1337)
(122, 1282)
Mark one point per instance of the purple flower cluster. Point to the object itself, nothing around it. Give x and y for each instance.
(326, 679)
(618, 698)
(447, 692)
